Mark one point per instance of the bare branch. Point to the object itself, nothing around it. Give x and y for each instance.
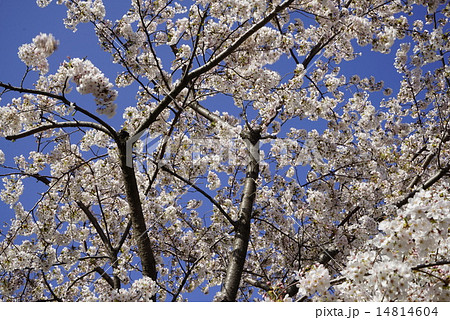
(432, 264)
(124, 236)
(105, 276)
(207, 196)
(69, 124)
(55, 297)
(96, 225)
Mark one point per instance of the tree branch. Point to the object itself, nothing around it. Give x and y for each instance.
(69, 124)
(140, 235)
(224, 54)
(197, 107)
(124, 236)
(106, 127)
(105, 276)
(349, 215)
(97, 226)
(185, 278)
(242, 229)
(185, 80)
(55, 297)
(432, 264)
(441, 173)
(211, 199)
(258, 284)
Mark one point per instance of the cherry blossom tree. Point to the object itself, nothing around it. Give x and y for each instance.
(221, 174)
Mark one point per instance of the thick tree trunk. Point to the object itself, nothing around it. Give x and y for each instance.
(140, 229)
(140, 235)
(242, 229)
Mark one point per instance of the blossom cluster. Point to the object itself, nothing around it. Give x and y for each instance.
(35, 54)
(78, 11)
(89, 80)
(315, 280)
(140, 290)
(409, 244)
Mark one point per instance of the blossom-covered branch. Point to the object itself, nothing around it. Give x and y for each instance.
(322, 182)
